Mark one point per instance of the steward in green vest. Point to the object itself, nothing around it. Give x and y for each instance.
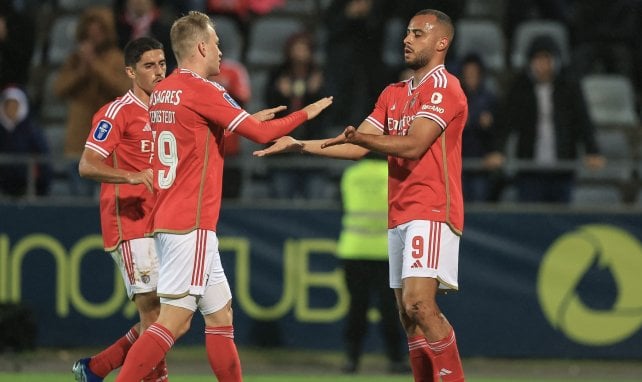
(364, 192)
(363, 249)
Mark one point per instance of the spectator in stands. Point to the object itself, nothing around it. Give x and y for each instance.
(355, 72)
(545, 107)
(17, 40)
(92, 75)
(294, 83)
(479, 183)
(20, 135)
(235, 79)
(142, 18)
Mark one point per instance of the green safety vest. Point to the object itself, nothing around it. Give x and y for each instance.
(364, 191)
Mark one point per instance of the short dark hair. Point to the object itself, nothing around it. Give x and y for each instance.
(137, 47)
(442, 18)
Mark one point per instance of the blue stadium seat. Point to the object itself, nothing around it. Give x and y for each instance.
(483, 37)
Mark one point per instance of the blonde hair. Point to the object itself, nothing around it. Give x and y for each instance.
(188, 31)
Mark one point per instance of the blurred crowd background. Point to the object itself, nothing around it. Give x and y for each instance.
(554, 89)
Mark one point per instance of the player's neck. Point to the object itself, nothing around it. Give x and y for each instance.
(421, 72)
(194, 66)
(141, 94)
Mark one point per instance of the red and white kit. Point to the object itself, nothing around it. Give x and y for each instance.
(122, 135)
(427, 189)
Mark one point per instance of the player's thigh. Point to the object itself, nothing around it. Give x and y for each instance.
(189, 262)
(430, 250)
(138, 264)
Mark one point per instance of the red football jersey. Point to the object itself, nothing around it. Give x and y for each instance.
(428, 188)
(189, 115)
(121, 133)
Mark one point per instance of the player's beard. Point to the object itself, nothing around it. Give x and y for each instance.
(419, 62)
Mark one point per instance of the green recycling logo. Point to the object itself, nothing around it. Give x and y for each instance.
(563, 267)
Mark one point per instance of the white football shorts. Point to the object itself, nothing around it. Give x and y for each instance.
(138, 265)
(423, 248)
(190, 264)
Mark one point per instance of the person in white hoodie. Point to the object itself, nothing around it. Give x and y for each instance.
(20, 135)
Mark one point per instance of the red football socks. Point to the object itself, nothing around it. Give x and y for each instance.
(113, 357)
(159, 374)
(447, 358)
(147, 352)
(222, 353)
(421, 361)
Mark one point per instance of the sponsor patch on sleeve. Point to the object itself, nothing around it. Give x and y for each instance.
(230, 100)
(102, 130)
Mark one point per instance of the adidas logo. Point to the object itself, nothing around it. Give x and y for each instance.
(417, 264)
(394, 106)
(147, 127)
(444, 371)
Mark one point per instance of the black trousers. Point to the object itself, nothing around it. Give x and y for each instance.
(368, 282)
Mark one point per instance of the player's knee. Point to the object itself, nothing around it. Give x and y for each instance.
(406, 323)
(418, 309)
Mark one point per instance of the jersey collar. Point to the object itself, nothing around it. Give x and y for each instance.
(411, 81)
(137, 100)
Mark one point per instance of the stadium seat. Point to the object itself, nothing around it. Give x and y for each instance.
(612, 107)
(487, 9)
(55, 135)
(258, 82)
(614, 144)
(526, 31)
(483, 37)
(268, 36)
(596, 195)
(230, 37)
(53, 108)
(611, 100)
(393, 42)
(61, 39)
(79, 5)
(298, 7)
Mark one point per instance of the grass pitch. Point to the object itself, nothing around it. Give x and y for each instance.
(48, 377)
(189, 364)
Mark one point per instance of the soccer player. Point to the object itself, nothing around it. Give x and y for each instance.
(118, 154)
(190, 115)
(418, 123)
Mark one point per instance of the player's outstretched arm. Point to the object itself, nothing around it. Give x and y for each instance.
(282, 145)
(317, 107)
(320, 147)
(268, 114)
(267, 131)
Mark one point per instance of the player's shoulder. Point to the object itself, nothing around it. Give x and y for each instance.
(442, 81)
(118, 106)
(397, 85)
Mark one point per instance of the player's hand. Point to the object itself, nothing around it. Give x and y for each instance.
(267, 114)
(314, 109)
(282, 145)
(349, 135)
(145, 177)
(493, 160)
(594, 162)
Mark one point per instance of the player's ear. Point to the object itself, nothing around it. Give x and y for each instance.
(130, 72)
(443, 43)
(202, 48)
